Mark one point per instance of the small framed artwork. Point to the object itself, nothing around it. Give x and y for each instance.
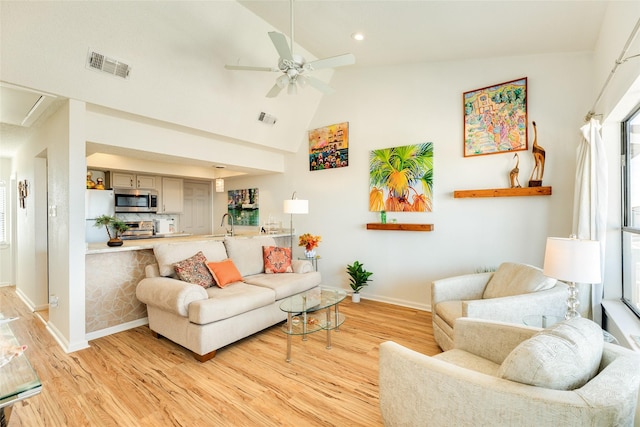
(495, 118)
(243, 206)
(329, 147)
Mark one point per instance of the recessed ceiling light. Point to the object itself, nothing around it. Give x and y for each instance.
(357, 36)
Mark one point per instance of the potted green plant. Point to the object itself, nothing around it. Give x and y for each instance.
(359, 278)
(112, 224)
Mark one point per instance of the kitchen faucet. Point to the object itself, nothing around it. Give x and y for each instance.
(231, 219)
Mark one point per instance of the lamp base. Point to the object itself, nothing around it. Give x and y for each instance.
(572, 302)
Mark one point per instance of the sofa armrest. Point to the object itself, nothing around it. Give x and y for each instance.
(512, 308)
(466, 287)
(301, 266)
(169, 294)
(415, 387)
(488, 339)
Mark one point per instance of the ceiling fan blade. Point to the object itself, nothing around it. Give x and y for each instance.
(280, 42)
(334, 61)
(320, 85)
(249, 68)
(275, 91)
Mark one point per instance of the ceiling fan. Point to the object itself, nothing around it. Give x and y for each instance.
(294, 68)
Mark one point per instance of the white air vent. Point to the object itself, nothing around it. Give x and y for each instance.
(100, 62)
(266, 118)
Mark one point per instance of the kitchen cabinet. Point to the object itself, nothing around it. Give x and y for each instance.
(129, 180)
(172, 196)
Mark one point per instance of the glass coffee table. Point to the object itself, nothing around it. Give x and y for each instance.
(312, 311)
(18, 379)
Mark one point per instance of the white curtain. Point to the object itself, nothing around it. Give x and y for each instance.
(590, 208)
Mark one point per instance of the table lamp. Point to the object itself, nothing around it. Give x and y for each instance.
(573, 261)
(295, 206)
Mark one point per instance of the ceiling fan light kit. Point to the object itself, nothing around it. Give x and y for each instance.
(294, 66)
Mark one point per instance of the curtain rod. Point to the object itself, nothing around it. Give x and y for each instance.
(621, 60)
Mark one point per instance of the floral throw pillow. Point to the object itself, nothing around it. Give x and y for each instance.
(194, 270)
(277, 260)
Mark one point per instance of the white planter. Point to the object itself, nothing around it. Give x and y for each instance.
(355, 297)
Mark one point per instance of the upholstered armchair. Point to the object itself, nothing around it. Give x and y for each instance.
(501, 374)
(507, 295)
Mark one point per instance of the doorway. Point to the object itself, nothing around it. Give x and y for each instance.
(196, 217)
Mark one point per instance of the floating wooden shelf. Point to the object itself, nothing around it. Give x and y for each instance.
(400, 227)
(503, 192)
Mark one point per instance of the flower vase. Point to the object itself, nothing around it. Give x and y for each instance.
(310, 254)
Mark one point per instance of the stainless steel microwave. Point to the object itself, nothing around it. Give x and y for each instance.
(131, 200)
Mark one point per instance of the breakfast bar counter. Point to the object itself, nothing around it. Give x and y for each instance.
(149, 243)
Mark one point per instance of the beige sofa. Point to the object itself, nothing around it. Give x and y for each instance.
(500, 374)
(206, 319)
(511, 292)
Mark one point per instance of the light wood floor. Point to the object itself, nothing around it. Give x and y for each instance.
(133, 379)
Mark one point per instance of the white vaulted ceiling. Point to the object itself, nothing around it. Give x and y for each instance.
(396, 32)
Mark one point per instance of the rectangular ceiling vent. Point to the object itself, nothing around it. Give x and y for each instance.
(100, 62)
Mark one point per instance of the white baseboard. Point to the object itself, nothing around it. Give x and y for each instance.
(118, 328)
(30, 305)
(62, 341)
(394, 301)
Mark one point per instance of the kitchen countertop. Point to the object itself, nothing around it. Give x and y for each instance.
(139, 244)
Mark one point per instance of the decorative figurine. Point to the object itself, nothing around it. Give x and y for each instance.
(513, 175)
(538, 156)
(90, 183)
(100, 184)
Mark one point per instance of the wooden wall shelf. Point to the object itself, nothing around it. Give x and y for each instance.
(503, 192)
(400, 227)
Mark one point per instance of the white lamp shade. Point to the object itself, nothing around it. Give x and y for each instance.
(296, 206)
(219, 185)
(572, 260)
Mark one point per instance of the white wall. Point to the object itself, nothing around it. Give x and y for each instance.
(6, 251)
(394, 106)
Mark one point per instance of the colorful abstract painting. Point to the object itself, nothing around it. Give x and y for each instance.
(401, 178)
(329, 147)
(495, 118)
(243, 206)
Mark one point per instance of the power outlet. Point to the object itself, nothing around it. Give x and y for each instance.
(53, 301)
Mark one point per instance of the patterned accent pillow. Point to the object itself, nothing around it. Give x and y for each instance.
(224, 272)
(194, 270)
(277, 260)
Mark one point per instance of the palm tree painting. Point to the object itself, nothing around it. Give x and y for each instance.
(401, 178)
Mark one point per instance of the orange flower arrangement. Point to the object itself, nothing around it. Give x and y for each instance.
(308, 241)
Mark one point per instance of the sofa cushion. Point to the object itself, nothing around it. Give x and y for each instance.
(277, 260)
(563, 357)
(231, 301)
(285, 285)
(516, 279)
(246, 253)
(168, 254)
(193, 270)
(224, 272)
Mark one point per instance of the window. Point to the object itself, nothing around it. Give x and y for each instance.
(631, 211)
(3, 213)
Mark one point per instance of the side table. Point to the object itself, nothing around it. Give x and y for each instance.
(314, 261)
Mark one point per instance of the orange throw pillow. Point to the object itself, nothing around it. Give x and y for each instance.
(277, 260)
(224, 272)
